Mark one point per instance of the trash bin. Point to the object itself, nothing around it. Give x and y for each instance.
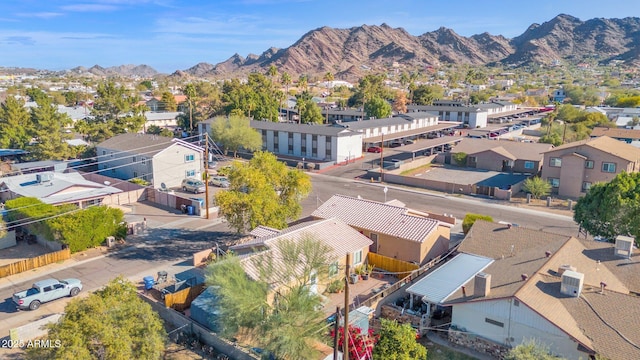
(148, 282)
(190, 209)
(353, 278)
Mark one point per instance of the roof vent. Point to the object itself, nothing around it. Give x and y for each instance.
(524, 277)
(624, 246)
(547, 253)
(572, 283)
(564, 268)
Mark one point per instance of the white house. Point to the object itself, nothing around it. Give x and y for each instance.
(575, 296)
(157, 159)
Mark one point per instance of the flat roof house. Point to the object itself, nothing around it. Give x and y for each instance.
(156, 159)
(55, 188)
(572, 168)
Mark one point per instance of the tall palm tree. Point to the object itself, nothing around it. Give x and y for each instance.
(286, 81)
(328, 78)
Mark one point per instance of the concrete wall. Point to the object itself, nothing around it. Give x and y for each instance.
(8, 240)
(33, 330)
(178, 320)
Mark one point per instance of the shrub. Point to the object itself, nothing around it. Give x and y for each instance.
(470, 219)
(460, 158)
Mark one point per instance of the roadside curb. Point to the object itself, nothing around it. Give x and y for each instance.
(26, 276)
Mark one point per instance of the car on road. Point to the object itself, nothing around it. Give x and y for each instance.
(219, 181)
(395, 144)
(374, 149)
(44, 291)
(193, 185)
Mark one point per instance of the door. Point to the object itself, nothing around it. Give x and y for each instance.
(374, 246)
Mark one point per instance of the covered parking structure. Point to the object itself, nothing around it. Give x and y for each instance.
(385, 139)
(429, 146)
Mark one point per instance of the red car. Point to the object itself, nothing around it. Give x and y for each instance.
(374, 149)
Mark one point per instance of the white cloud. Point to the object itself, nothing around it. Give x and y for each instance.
(42, 15)
(89, 7)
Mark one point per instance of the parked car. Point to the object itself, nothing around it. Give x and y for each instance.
(45, 291)
(409, 142)
(374, 149)
(395, 144)
(219, 181)
(193, 185)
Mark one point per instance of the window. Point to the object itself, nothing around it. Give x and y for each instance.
(529, 164)
(133, 159)
(357, 257)
(113, 171)
(586, 186)
(104, 152)
(190, 173)
(473, 159)
(608, 167)
(555, 162)
(333, 269)
(189, 158)
(555, 182)
(111, 153)
(143, 160)
(493, 322)
(588, 164)
(135, 174)
(48, 288)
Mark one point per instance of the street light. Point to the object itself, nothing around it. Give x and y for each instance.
(302, 163)
(385, 193)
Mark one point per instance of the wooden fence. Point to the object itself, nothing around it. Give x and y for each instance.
(34, 262)
(182, 299)
(398, 267)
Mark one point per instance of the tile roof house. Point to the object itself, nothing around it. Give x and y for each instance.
(572, 168)
(629, 136)
(577, 297)
(55, 188)
(506, 156)
(337, 235)
(395, 230)
(157, 159)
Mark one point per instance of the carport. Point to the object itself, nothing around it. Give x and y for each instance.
(428, 146)
(377, 140)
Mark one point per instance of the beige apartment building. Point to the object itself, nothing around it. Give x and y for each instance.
(573, 168)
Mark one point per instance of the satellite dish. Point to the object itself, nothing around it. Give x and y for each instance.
(163, 186)
(107, 183)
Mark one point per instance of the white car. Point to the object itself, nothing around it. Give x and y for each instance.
(219, 181)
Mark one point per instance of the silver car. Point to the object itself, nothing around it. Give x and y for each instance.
(219, 181)
(193, 185)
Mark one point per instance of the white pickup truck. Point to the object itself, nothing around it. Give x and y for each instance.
(45, 291)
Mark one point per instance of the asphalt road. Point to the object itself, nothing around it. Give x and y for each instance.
(325, 186)
(158, 249)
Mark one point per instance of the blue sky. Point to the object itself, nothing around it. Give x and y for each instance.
(177, 34)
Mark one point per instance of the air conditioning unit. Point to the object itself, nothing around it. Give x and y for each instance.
(44, 177)
(624, 246)
(572, 283)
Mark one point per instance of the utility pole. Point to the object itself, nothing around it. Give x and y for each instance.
(206, 173)
(336, 326)
(381, 157)
(347, 271)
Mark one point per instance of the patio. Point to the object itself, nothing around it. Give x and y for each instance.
(359, 292)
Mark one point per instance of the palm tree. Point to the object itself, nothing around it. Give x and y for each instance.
(328, 77)
(303, 82)
(190, 92)
(286, 81)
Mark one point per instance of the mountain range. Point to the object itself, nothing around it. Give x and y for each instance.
(347, 53)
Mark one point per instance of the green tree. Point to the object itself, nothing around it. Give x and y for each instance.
(531, 350)
(377, 108)
(611, 209)
(460, 158)
(15, 124)
(398, 342)
(426, 94)
(308, 111)
(168, 102)
(147, 84)
(288, 325)
(48, 130)
(263, 191)
(400, 102)
(111, 323)
(191, 93)
(537, 187)
(88, 227)
(36, 94)
(235, 133)
(470, 219)
(157, 130)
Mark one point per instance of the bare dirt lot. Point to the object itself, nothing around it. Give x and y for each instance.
(21, 251)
